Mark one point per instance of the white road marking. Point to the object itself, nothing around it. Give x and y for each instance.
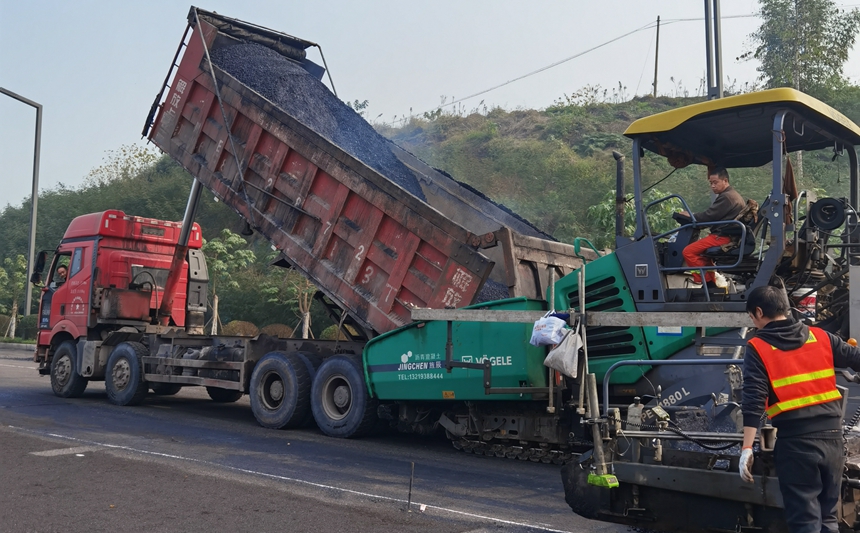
(428, 506)
(32, 367)
(66, 451)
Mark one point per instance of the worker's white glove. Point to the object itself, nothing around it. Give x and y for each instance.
(745, 465)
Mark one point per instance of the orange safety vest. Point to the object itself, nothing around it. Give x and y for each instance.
(800, 377)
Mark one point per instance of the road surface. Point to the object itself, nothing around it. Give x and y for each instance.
(185, 463)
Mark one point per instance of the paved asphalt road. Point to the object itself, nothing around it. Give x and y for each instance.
(185, 463)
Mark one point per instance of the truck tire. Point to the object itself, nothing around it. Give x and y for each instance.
(165, 389)
(223, 395)
(312, 362)
(124, 376)
(340, 402)
(65, 380)
(280, 391)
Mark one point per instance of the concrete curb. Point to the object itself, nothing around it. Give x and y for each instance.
(16, 346)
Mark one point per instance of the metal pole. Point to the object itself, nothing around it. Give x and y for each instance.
(411, 479)
(637, 189)
(169, 293)
(550, 408)
(656, 55)
(620, 199)
(190, 212)
(583, 378)
(31, 254)
(596, 435)
(718, 51)
(709, 68)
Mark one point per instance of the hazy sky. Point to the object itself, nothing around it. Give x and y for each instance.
(96, 65)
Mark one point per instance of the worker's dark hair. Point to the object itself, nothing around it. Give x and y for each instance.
(772, 301)
(720, 172)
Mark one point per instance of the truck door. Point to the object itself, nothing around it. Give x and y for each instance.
(69, 298)
(55, 293)
(80, 278)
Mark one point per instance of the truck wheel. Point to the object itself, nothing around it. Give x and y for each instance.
(339, 399)
(65, 381)
(124, 377)
(313, 362)
(280, 391)
(165, 389)
(223, 395)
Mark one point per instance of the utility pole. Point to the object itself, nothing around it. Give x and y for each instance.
(31, 257)
(713, 50)
(718, 50)
(656, 55)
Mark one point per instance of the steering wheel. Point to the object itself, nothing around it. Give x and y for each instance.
(682, 219)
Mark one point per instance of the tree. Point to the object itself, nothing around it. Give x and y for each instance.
(603, 216)
(359, 107)
(122, 164)
(804, 44)
(287, 287)
(13, 281)
(303, 291)
(226, 256)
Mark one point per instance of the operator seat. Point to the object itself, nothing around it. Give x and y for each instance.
(756, 223)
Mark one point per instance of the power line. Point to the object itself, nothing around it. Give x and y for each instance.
(644, 65)
(580, 54)
(538, 71)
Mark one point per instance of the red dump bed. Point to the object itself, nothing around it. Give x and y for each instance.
(377, 235)
(368, 244)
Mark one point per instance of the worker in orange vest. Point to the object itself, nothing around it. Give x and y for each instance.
(789, 375)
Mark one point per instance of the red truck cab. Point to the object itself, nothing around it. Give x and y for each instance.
(117, 267)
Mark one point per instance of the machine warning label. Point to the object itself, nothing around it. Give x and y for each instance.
(447, 395)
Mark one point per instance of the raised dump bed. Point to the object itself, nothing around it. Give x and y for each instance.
(343, 205)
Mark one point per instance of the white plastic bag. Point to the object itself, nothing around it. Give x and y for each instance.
(564, 358)
(547, 330)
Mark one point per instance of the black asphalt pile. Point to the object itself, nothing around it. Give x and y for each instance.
(492, 290)
(300, 95)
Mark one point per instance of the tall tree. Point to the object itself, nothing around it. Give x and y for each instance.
(226, 255)
(13, 281)
(804, 44)
(603, 217)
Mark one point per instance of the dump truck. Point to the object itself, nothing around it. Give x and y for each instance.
(378, 231)
(666, 458)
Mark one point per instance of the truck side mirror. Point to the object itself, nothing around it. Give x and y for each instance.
(40, 261)
(36, 276)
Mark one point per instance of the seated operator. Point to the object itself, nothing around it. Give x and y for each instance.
(726, 206)
(59, 276)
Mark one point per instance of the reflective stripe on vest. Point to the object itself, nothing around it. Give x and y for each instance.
(800, 377)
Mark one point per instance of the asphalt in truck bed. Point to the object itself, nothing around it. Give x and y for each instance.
(305, 98)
